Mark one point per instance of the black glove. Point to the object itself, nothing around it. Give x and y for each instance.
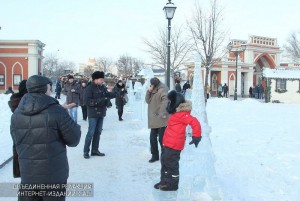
(195, 140)
(101, 102)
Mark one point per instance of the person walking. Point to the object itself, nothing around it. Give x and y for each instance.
(207, 91)
(83, 106)
(220, 89)
(120, 92)
(225, 90)
(58, 89)
(41, 129)
(13, 104)
(186, 86)
(178, 86)
(250, 92)
(96, 98)
(72, 90)
(157, 100)
(174, 140)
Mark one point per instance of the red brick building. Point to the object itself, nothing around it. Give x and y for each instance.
(260, 52)
(19, 59)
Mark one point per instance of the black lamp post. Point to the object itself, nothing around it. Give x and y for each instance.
(236, 51)
(169, 11)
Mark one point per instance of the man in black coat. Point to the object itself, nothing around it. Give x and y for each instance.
(13, 104)
(41, 129)
(96, 98)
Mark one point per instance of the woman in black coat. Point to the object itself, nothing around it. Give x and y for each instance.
(120, 92)
(13, 104)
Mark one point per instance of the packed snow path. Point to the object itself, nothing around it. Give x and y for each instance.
(257, 147)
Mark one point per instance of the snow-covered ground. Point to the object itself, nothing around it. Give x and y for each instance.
(257, 149)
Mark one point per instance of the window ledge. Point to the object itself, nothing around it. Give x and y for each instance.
(280, 90)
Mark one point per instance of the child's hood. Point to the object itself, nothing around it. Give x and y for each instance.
(185, 107)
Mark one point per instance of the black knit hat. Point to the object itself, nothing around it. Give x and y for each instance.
(175, 100)
(22, 87)
(154, 81)
(37, 84)
(70, 77)
(97, 75)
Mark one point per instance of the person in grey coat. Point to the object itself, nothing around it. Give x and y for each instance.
(72, 91)
(157, 100)
(41, 129)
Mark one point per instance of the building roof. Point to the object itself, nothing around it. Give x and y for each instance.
(280, 73)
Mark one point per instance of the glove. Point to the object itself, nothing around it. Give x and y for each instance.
(195, 140)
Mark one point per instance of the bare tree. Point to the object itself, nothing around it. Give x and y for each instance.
(128, 66)
(88, 71)
(53, 68)
(208, 35)
(104, 64)
(292, 47)
(180, 49)
(50, 65)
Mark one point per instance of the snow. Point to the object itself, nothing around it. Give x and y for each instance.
(281, 73)
(256, 145)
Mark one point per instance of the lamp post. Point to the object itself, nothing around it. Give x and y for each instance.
(236, 51)
(169, 11)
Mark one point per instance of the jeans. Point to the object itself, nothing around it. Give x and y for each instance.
(84, 112)
(93, 134)
(156, 132)
(73, 113)
(120, 110)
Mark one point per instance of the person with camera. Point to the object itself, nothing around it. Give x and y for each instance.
(97, 99)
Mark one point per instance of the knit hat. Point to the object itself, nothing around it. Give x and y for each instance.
(37, 84)
(154, 81)
(22, 87)
(70, 77)
(97, 75)
(175, 100)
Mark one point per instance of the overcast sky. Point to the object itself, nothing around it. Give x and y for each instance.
(80, 29)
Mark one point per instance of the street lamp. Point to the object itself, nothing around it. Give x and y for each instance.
(169, 11)
(236, 51)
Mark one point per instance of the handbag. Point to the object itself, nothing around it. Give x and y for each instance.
(108, 103)
(125, 98)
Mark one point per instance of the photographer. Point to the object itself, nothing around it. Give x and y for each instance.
(97, 99)
(157, 100)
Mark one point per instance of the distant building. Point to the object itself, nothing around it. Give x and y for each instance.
(90, 66)
(261, 52)
(19, 59)
(282, 85)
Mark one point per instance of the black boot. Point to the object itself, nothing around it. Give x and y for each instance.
(86, 155)
(120, 119)
(97, 153)
(154, 158)
(170, 184)
(158, 185)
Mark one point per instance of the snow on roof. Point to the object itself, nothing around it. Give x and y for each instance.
(281, 73)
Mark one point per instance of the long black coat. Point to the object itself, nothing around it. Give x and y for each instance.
(41, 129)
(95, 98)
(120, 94)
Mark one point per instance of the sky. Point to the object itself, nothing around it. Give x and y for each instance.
(256, 152)
(76, 30)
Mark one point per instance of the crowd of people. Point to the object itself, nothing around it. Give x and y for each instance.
(36, 113)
